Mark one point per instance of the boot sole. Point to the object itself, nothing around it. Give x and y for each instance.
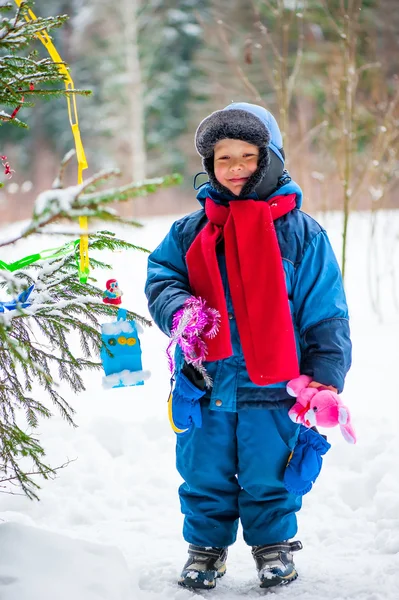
(195, 584)
(275, 581)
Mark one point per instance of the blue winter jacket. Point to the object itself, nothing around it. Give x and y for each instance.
(316, 297)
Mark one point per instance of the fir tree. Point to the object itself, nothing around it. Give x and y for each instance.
(36, 337)
(22, 77)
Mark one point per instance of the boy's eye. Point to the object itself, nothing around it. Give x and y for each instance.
(223, 157)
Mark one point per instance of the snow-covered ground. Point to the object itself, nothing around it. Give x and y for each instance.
(109, 527)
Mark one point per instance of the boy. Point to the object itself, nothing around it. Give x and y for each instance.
(249, 283)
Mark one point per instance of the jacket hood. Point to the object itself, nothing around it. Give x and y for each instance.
(275, 138)
(253, 124)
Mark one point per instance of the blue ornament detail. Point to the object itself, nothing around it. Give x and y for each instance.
(20, 302)
(124, 367)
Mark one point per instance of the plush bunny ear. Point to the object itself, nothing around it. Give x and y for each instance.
(348, 433)
(343, 415)
(345, 425)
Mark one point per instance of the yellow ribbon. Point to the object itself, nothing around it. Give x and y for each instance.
(80, 153)
(170, 415)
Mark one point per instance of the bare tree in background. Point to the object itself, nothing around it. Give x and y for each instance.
(276, 47)
(363, 133)
(108, 59)
(285, 43)
(336, 104)
(128, 16)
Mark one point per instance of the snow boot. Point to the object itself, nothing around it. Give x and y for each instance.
(203, 567)
(275, 563)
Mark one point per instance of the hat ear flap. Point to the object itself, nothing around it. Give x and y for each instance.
(208, 164)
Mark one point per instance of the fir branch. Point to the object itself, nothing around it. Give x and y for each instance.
(58, 182)
(34, 348)
(18, 33)
(132, 190)
(46, 472)
(7, 118)
(16, 71)
(56, 204)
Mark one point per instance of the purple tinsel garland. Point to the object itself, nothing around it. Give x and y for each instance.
(191, 325)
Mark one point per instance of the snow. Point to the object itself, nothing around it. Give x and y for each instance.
(121, 491)
(117, 327)
(37, 306)
(125, 378)
(33, 564)
(57, 200)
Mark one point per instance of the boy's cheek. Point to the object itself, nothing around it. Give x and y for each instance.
(219, 173)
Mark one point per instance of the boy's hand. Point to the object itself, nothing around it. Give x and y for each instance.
(192, 325)
(316, 384)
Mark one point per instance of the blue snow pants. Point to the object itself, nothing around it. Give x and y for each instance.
(233, 469)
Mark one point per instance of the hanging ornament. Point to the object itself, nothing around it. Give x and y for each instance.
(121, 352)
(8, 171)
(15, 111)
(113, 294)
(20, 302)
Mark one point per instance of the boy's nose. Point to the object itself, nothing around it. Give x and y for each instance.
(236, 166)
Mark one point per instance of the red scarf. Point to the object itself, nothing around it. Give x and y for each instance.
(257, 285)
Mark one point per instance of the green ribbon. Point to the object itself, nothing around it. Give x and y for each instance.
(44, 255)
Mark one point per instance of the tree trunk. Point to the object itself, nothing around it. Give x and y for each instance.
(129, 10)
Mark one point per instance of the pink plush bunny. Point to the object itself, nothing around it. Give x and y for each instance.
(319, 407)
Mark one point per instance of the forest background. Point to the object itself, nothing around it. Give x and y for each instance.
(327, 69)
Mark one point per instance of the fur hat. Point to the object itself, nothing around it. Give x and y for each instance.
(236, 124)
(252, 124)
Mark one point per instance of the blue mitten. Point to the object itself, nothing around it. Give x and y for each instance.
(184, 405)
(305, 463)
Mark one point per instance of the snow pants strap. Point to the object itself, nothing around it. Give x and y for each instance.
(275, 548)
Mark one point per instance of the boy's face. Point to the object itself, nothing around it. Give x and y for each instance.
(234, 163)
